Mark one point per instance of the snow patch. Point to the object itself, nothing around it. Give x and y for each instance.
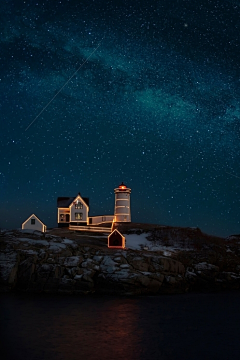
(205, 266)
(136, 242)
(139, 242)
(68, 241)
(34, 242)
(29, 231)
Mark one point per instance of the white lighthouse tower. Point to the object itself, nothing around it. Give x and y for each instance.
(122, 212)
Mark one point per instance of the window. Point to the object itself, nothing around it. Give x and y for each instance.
(78, 216)
(32, 221)
(78, 205)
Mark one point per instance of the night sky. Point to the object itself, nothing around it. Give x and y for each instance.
(156, 106)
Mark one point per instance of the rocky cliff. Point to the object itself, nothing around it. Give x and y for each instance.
(35, 262)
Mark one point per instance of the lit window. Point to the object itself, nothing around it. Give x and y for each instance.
(78, 216)
(32, 221)
(78, 205)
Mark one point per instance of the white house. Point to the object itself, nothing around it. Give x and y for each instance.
(72, 211)
(33, 223)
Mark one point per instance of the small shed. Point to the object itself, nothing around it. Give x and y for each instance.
(33, 223)
(116, 240)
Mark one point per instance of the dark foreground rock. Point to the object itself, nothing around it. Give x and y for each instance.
(46, 263)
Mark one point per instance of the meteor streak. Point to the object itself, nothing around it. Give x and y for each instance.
(62, 87)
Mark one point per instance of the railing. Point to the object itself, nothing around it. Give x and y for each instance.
(101, 219)
(91, 228)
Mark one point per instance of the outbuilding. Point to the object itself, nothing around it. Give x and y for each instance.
(34, 223)
(116, 240)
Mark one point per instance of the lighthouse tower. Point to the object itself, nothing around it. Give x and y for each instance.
(122, 212)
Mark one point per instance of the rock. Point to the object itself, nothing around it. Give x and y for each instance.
(172, 266)
(66, 285)
(61, 265)
(144, 280)
(97, 258)
(154, 286)
(138, 263)
(25, 272)
(88, 278)
(73, 260)
(77, 277)
(88, 263)
(118, 259)
(203, 266)
(58, 271)
(8, 270)
(56, 248)
(108, 265)
(125, 266)
(190, 274)
(170, 279)
(66, 253)
(79, 271)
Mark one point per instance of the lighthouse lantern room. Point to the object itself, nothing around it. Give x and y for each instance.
(122, 212)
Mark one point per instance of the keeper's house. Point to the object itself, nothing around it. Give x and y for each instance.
(72, 211)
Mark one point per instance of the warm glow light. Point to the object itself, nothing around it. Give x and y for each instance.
(97, 220)
(116, 246)
(79, 198)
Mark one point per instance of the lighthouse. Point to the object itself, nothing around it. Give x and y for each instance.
(122, 212)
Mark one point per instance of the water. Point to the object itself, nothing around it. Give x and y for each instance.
(189, 326)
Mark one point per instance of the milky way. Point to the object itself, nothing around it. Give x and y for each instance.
(156, 106)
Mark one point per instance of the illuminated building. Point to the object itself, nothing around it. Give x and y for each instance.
(34, 223)
(116, 240)
(74, 211)
(122, 211)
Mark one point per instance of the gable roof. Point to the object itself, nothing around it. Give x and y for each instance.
(82, 199)
(65, 202)
(34, 217)
(117, 232)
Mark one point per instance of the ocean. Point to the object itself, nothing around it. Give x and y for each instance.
(63, 327)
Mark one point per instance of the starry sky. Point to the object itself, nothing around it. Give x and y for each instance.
(94, 93)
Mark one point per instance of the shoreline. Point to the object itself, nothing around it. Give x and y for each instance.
(47, 263)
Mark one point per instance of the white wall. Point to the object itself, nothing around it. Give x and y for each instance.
(84, 212)
(122, 210)
(37, 226)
